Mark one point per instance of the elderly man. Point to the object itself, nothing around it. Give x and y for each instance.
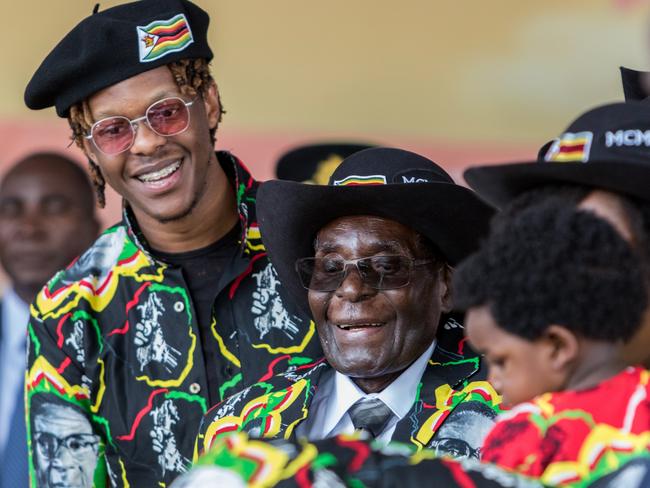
(370, 255)
(592, 166)
(47, 218)
(177, 306)
(599, 164)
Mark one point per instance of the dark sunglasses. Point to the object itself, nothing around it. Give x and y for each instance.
(379, 272)
(166, 117)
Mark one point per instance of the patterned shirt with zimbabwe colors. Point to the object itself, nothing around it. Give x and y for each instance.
(117, 379)
(337, 462)
(572, 438)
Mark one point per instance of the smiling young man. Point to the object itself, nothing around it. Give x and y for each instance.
(177, 306)
(370, 256)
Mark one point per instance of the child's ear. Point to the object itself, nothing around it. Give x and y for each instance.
(563, 347)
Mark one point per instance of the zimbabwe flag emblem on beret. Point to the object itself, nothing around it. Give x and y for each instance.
(162, 37)
(570, 148)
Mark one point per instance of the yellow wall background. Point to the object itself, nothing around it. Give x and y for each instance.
(502, 70)
(462, 82)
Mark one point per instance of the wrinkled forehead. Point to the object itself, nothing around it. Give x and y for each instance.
(367, 233)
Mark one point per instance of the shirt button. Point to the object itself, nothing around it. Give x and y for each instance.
(195, 388)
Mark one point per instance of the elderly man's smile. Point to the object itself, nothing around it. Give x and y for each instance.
(365, 334)
(357, 325)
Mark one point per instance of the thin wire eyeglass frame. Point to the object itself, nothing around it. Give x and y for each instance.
(135, 122)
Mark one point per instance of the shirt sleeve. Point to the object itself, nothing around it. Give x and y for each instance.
(60, 422)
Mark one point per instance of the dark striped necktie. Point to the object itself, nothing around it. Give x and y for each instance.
(370, 415)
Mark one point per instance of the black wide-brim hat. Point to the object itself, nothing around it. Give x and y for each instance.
(384, 182)
(607, 148)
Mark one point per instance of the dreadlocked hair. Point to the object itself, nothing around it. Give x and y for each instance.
(193, 78)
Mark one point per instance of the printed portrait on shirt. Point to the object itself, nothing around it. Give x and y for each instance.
(65, 448)
(99, 260)
(463, 433)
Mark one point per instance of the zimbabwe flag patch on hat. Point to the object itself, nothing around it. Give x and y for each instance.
(355, 180)
(162, 37)
(570, 147)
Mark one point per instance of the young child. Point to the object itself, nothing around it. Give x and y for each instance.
(550, 299)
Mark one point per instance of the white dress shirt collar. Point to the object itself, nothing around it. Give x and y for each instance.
(342, 393)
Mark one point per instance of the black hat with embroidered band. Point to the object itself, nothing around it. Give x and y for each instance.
(112, 45)
(607, 147)
(386, 182)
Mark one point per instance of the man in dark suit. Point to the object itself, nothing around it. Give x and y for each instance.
(373, 252)
(47, 217)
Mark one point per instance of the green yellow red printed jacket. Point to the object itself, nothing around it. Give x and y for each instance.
(454, 404)
(115, 354)
(338, 462)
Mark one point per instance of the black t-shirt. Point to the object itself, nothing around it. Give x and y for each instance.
(202, 270)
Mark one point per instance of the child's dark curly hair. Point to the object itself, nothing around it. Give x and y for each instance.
(548, 263)
(637, 212)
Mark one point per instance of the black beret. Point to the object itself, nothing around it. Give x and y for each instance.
(115, 44)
